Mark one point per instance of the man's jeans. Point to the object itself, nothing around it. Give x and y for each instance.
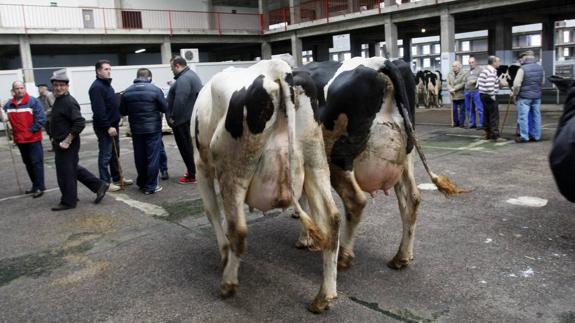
(472, 105)
(106, 158)
(529, 118)
(458, 113)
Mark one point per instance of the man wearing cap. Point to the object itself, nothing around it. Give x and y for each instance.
(26, 115)
(527, 91)
(66, 125)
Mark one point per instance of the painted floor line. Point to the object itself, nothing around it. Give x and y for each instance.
(147, 208)
(25, 195)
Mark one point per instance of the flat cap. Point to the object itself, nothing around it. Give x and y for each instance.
(61, 77)
(527, 53)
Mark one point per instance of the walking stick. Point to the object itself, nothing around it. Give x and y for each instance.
(505, 117)
(13, 159)
(119, 163)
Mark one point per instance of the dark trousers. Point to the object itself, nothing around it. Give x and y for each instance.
(147, 159)
(107, 161)
(183, 138)
(163, 158)
(490, 116)
(458, 113)
(33, 158)
(69, 172)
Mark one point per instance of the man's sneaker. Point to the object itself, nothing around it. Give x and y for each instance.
(113, 187)
(187, 180)
(164, 175)
(101, 192)
(158, 189)
(126, 182)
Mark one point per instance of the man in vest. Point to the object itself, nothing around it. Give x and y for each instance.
(26, 115)
(527, 91)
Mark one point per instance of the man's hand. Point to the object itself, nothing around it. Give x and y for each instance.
(170, 122)
(112, 132)
(64, 145)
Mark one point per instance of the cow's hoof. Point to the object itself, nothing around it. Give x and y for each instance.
(228, 290)
(344, 260)
(319, 305)
(307, 243)
(398, 264)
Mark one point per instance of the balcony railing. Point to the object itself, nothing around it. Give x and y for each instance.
(30, 18)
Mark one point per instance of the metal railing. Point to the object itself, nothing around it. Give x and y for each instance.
(313, 10)
(30, 18)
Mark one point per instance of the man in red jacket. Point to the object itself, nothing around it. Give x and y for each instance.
(26, 115)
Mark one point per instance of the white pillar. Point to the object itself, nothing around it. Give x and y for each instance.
(296, 49)
(26, 58)
(294, 12)
(391, 37)
(266, 50)
(447, 47)
(166, 50)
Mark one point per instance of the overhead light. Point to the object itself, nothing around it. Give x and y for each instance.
(423, 30)
(140, 51)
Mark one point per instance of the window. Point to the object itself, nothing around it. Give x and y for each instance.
(335, 57)
(535, 40)
(436, 49)
(413, 50)
(307, 56)
(346, 56)
(566, 36)
(466, 46)
(566, 52)
(465, 59)
(426, 63)
(426, 50)
(400, 51)
(131, 19)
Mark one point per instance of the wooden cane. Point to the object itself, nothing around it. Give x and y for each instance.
(122, 185)
(505, 117)
(13, 159)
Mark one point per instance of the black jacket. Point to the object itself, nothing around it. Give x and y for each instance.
(66, 118)
(104, 104)
(182, 96)
(144, 104)
(562, 157)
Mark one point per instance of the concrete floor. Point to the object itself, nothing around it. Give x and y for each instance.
(137, 258)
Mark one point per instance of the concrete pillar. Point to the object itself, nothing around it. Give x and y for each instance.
(351, 5)
(390, 37)
(500, 41)
(548, 49)
(26, 58)
(294, 11)
(296, 49)
(407, 50)
(388, 3)
(266, 50)
(166, 50)
(321, 52)
(373, 48)
(263, 10)
(355, 45)
(447, 46)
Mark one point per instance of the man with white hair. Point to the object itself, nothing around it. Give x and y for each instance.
(456, 84)
(26, 115)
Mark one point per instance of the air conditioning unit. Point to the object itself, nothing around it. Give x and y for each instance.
(191, 55)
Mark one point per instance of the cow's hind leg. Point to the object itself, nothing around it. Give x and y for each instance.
(408, 198)
(354, 201)
(207, 189)
(326, 216)
(237, 231)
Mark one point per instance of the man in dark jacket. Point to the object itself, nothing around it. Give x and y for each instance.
(105, 119)
(181, 99)
(562, 157)
(527, 89)
(144, 104)
(66, 125)
(26, 115)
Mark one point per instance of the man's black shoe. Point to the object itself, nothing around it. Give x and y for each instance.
(519, 140)
(30, 191)
(38, 193)
(62, 207)
(164, 175)
(101, 192)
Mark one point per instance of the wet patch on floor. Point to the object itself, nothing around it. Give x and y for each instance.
(180, 210)
(404, 315)
(41, 263)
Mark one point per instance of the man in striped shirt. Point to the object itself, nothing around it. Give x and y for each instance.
(488, 84)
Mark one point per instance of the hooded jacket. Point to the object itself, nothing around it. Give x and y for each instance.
(26, 118)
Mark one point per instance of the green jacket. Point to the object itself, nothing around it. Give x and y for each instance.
(457, 83)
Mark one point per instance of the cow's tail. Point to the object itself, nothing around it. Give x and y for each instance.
(288, 102)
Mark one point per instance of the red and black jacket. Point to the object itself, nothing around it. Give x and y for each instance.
(26, 118)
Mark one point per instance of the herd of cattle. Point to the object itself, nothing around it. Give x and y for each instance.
(270, 136)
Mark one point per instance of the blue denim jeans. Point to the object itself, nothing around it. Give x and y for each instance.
(107, 162)
(163, 158)
(474, 106)
(529, 118)
(147, 159)
(458, 113)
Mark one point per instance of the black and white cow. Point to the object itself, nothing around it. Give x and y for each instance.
(507, 74)
(429, 88)
(422, 96)
(367, 122)
(256, 134)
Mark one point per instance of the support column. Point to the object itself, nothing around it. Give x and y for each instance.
(321, 52)
(374, 49)
(355, 45)
(26, 58)
(447, 46)
(407, 50)
(390, 37)
(500, 41)
(351, 6)
(296, 49)
(166, 50)
(388, 3)
(548, 49)
(294, 12)
(263, 10)
(266, 50)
